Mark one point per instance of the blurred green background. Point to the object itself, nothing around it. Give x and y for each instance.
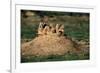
(76, 24)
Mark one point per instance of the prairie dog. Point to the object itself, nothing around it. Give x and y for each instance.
(46, 30)
(61, 30)
(40, 29)
(42, 26)
(57, 27)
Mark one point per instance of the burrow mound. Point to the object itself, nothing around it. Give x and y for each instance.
(48, 45)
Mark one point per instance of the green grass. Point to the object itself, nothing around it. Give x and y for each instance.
(66, 57)
(28, 31)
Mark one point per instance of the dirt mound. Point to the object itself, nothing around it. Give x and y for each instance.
(48, 45)
(50, 41)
